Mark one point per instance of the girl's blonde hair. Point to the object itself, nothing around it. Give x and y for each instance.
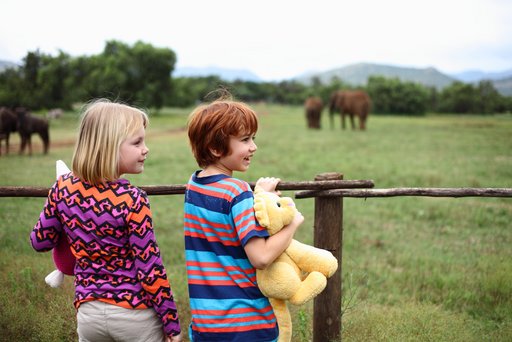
(104, 126)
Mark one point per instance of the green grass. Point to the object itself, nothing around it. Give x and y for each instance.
(414, 268)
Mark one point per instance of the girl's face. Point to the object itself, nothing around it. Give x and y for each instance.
(241, 151)
(132, 153)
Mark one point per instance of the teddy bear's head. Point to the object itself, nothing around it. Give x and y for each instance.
(273, 212)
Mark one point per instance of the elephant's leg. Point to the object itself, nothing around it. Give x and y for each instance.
(352, 123)
(316, 120)
(23, 144)
(310, 119)
(45, 137)
(362, 123)
(284, 319)
(29, 143)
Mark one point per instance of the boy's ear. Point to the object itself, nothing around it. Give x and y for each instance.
(215, 153)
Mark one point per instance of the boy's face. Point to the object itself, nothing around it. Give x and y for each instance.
(241, 151)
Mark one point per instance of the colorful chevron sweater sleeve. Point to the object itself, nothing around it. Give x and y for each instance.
(111, 234)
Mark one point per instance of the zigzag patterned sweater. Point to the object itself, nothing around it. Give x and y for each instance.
(110, 232)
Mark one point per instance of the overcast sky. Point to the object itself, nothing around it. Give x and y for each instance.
(275, 39)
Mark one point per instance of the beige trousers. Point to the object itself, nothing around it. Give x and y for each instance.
(102, 322)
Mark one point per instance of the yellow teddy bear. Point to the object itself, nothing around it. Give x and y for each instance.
(297, 275)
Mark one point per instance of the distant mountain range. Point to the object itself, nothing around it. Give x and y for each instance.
(6, 64)
(477, 75)
(357, 75)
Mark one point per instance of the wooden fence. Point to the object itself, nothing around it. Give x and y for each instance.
(328, 190)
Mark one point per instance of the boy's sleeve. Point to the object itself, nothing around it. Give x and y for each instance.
(46, 232)
(150, 269)
(246, 224)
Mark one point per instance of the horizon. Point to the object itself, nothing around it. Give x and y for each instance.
(199, 71)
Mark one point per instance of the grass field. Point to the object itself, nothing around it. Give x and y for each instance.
(414, 268)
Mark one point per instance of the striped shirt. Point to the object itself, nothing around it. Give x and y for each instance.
(110, 231)
(225, 301)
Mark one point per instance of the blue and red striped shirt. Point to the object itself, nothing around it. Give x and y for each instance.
(226, 303)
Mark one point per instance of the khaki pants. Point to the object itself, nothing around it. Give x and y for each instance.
(102, 322)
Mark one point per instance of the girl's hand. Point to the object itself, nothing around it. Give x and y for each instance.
(176, 338)
(269, 184)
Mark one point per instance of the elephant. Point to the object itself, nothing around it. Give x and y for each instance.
(314, 106)
(29, 124)
(351, 102)
(8, 124)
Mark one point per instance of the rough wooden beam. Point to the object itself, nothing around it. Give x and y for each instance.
(393, 192)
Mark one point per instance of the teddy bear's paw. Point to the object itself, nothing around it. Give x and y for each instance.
(314, 283)
(55, 279)
(329, 266)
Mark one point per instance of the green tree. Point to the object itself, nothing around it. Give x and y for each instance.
(188, 91)
(51, 82)
(12, 88)
(488, 98)
(138, 75)
(392, 96)
(29, 73)
(291, 92)
(458, 98)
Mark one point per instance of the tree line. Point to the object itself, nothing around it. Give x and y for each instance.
(141, 74)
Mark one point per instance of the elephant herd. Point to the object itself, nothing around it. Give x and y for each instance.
(22, 121)
(354, 103)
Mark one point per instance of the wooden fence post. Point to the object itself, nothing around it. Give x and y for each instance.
(328, 232)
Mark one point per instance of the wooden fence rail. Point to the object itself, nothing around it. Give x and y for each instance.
(328, 189)
(177, 189)
(393, 192)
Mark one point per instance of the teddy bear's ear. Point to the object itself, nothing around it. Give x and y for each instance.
(260, 210)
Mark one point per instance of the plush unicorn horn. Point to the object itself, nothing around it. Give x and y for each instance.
(63, 259)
